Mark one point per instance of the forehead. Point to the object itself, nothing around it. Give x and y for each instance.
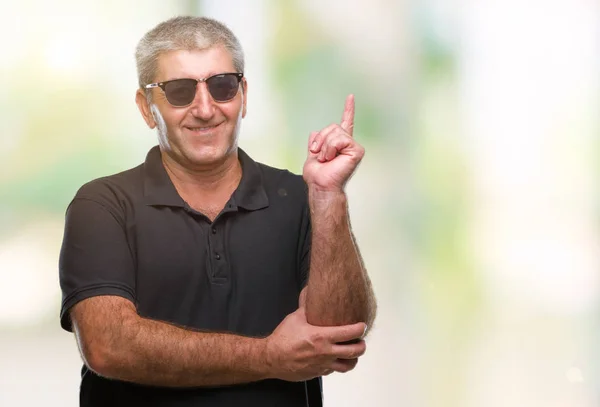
(193, 63)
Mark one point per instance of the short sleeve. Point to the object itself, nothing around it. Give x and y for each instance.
(95, 258)
(304, 247)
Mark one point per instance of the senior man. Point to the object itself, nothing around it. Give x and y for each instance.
(204, 278)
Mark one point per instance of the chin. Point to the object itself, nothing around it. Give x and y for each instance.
(208, 155)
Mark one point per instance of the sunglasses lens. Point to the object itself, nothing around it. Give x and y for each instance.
(180, 92)
(223, 87)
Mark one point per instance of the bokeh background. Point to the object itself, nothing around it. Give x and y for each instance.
(476, 206)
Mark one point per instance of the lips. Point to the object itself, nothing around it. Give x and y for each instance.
(202, 129)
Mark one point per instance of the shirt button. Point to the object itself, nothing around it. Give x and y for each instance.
(214, 230)
(218, 256)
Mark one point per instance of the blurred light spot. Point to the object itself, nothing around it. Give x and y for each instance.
(574, 375)
(11, 129)
(62, 53)
(28, 271)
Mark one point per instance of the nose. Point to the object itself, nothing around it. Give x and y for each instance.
(203, 106)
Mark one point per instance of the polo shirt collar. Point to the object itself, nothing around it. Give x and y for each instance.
(250, 193)
(159, 189)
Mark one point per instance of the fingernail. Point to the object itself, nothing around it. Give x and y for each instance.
(313, 146)
(365, 332)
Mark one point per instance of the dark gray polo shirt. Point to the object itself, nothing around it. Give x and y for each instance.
(132, 235)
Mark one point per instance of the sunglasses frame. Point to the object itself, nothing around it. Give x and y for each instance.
(162, 85)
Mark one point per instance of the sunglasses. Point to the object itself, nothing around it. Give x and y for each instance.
(181, 92)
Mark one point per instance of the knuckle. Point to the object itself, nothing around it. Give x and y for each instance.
(357, 158)
(316, 337)
(326, 130)
(340, 141)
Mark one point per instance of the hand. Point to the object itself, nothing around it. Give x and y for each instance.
(333, 154)
(298, 351)
(302, 298)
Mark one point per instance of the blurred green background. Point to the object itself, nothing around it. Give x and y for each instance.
(476, 206)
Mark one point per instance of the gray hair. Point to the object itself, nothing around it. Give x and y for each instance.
(183, 33)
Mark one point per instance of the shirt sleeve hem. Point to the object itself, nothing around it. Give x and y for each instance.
(87, 292)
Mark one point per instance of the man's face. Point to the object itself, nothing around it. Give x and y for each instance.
(205, 132)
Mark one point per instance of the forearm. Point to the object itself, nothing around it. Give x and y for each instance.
(339, 289)
(156, 353)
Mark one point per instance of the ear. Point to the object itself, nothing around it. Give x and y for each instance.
(245, 95)
(142, 103)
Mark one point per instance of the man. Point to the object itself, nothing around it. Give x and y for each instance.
(191, 279)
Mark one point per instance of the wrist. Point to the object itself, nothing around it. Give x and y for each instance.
(318, 195)
(265, 359)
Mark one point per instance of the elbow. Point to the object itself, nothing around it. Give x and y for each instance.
(98, 360)
(371, 314)
(370, 321)
(102, 360)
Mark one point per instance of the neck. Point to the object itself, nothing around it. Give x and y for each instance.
(208, 181)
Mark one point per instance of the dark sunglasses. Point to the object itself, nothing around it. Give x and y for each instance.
(181, 92)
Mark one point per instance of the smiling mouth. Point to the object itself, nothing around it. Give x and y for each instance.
(202, 129)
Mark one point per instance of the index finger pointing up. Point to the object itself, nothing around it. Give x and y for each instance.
(348, 116)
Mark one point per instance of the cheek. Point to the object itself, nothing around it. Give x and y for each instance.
(173, 121)
(234, 114)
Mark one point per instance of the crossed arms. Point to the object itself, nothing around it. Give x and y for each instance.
(117, 343)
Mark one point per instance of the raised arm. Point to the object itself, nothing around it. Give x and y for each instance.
(339, 290)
